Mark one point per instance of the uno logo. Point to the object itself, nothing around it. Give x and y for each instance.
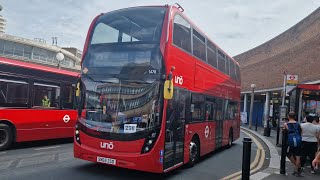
(178, 80)
(105, 145)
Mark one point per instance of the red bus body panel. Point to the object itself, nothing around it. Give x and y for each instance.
(128, 154)
(201, 78)
(40, 124)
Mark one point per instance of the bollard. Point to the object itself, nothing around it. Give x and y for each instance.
(284, 148)
(246, 156)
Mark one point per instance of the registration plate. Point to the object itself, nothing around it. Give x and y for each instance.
(106, 160)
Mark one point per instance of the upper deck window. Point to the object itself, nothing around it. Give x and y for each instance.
(211, 53)
(182, 33)
(199, 45)
(221, 62)
(129, 25)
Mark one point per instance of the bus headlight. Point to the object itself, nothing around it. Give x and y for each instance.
(77, 134)
(150, 141)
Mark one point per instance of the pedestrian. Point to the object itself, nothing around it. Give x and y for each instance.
(316, 161)
(306, 113)
(317, 123)
(309, 141)
(316, 120)
(294, 143)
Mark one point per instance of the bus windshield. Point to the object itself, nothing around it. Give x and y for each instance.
(121, 71)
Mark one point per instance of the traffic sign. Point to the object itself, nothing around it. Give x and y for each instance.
(292, 79)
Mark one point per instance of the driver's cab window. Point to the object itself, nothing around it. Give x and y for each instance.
(46, 96)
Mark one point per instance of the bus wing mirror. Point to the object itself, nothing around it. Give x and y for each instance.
(168, 89)
(78, 89)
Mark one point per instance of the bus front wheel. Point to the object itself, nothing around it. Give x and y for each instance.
(5, 136)
(194, 152)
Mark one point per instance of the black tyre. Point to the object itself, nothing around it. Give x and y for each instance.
(194, 152)
(230, 139)
(6, 136)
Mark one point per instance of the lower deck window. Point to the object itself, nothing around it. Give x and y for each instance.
(13, 93)
(46, 96)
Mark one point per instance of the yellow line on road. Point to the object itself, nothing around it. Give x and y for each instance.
(255, 165)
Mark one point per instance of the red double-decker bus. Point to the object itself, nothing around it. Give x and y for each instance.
(156, 92)
(36, 102)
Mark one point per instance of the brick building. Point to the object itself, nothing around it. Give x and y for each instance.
(295, 51)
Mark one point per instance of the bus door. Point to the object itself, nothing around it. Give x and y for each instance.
(175, 123)
(219, 122)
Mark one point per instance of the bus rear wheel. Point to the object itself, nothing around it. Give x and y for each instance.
(194, 152)
(5, 136)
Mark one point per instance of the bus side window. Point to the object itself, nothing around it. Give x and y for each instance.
(67, 97)
(13, 93)
(46, 95)
(182, 33)
(219, 112)
(198, 107)
(231, 110)
(210, 112)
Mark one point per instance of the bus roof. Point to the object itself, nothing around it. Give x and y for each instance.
(36, 67)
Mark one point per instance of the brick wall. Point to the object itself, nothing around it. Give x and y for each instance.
(296, 50)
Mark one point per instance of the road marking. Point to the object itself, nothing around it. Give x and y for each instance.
(3, 152)
(255, 165)
(45, 148)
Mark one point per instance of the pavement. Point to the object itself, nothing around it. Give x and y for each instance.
(273, 171)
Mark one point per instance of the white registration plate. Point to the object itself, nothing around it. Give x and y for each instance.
(106, 160)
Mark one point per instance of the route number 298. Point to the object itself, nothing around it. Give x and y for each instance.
(130, 128)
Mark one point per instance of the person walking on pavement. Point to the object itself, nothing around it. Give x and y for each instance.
(294, 143)
(316, 161)
(309, 141)
(317, 123)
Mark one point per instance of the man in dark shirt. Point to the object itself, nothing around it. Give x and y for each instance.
(294, 153)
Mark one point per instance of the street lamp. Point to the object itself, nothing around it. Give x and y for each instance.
(60, 58)
(251, 105)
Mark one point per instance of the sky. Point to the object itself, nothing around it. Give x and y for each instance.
(235, 25)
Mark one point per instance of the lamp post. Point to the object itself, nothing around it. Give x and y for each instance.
(251, 105)
(60, 58)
